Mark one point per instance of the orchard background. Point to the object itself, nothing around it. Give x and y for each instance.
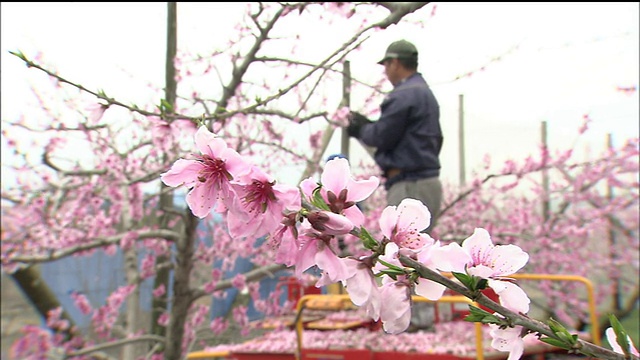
(82, 156)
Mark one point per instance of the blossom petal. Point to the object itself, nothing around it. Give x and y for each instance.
(451, 257)
(388, 220)
(396, 310)
(331, 264)
(208, 143)
(478, 245)
(355, 215)
(307, 186)
(481, 270)
(182, 172)
(413, 214)
(361, 189)
(429, 289)
(507, 340)
(201, 199)
(507, 259)
(306, 256)
(512, 296)
(361, 284)
(234, 163)
(335, 176)
(613, 342)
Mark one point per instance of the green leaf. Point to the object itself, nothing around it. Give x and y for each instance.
(165, 106)
(200, 121)
(483, 316)
(556, 326)
(317, 199)
(19, 54)
(562, 332)
(473, 318)
(392, 273)
(555, 342)
(368, 240)
(465, 279)
(480, 283)
(622, 338)
(391, 266)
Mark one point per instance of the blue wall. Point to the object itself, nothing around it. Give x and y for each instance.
(99, 274)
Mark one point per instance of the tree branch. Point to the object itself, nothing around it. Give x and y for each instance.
(101, 242)
(250, 276)
(117, 343)
(536, 326)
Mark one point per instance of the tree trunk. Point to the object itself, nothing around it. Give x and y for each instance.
(159, 305)
(41, 296)
(182, 293)
(131, 351)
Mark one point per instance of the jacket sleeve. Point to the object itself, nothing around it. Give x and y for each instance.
(385, 133)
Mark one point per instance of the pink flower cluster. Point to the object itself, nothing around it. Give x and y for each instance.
(454, 338)
(303, 227)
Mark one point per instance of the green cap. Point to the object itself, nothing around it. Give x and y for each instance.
(401, 49)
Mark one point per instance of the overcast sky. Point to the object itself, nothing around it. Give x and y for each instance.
(542, 61)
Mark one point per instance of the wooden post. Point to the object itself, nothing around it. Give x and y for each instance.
(461, 138)
(616, 294)
(346, 101)
(337, 288)
(545, 173)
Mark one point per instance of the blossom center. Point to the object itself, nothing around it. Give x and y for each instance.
(258, 195)
(213, 169)
(408, 238)
(338, 203)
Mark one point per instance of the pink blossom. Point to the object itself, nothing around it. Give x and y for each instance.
(402, 224)
(427, 288)
(342, 9)
(209, 175)
(239, 282)
(314, 139)
(341, 191)
(362, 287)
(147, 266)
(163, 319)
(35, 343)
(316, 249)
(259, 204)
(479, 257)
(240, 315)
(329, 223)
(96, 111)
(612, 338)
(285, 240)
(218, 325)
(159, 291)
(82, 303)
(395, 312)
(55, 321)
(340, 117)
(509, 339)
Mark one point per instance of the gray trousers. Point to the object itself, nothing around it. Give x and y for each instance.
(429, 191)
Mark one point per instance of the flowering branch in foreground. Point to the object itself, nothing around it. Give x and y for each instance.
(404, 261)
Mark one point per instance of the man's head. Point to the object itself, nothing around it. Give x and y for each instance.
(400, 60)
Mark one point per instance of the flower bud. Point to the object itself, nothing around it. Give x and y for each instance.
(330, 223)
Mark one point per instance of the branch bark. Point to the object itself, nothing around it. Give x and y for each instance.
(536, 326)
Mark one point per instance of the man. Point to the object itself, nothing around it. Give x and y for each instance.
(407, 137)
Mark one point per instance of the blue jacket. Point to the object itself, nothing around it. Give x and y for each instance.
(407, 136)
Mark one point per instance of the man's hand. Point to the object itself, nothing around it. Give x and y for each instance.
(356, 121)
